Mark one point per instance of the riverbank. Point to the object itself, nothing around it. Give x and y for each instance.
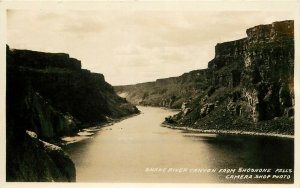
(88, 132)
(108, 156)
(229, 132)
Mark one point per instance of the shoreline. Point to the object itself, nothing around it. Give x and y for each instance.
(89, 132)
(161, 107)
(228, 132)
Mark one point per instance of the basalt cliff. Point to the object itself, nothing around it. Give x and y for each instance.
(248, 86)
(48, 95)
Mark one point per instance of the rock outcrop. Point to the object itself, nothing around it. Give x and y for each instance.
(50, 95)
(249, 85)
(36, 161)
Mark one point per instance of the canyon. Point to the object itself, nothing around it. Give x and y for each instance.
(50, 96)
(248, 86)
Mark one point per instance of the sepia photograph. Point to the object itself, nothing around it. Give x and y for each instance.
(143, 92)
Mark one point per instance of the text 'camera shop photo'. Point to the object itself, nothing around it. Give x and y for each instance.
(144, 96)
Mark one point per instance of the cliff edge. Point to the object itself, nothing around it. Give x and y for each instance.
(248, 86)
(48, 95)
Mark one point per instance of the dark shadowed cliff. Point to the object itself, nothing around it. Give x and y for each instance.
(247, 86)
(48, 96)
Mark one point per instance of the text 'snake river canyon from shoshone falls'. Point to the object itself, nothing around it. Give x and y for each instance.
(139, 149)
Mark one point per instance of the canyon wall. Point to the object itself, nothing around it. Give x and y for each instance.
(49, 95)
(168, 92)
(247, 86)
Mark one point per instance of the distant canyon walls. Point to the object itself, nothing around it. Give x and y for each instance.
(49, 95)
(248, 85)
(168, 92)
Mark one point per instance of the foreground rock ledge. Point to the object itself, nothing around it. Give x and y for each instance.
(39, 161)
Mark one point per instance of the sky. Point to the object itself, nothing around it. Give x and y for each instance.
(131, 46)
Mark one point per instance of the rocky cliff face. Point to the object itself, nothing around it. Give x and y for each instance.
(249, 87)
(168, 92)
(51, 96)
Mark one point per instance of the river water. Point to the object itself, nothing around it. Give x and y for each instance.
(139, 149)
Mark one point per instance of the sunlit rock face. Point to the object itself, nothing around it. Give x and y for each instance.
(249, 85)
(261, 66)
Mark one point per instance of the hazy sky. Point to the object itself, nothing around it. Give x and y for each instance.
(133, 46)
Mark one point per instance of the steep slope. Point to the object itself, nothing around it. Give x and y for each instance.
(249, 87)
(168, 92)
(50, 95)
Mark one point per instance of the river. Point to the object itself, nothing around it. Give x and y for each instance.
(139, 149)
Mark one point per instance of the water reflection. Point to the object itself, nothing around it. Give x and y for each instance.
(124, 152)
